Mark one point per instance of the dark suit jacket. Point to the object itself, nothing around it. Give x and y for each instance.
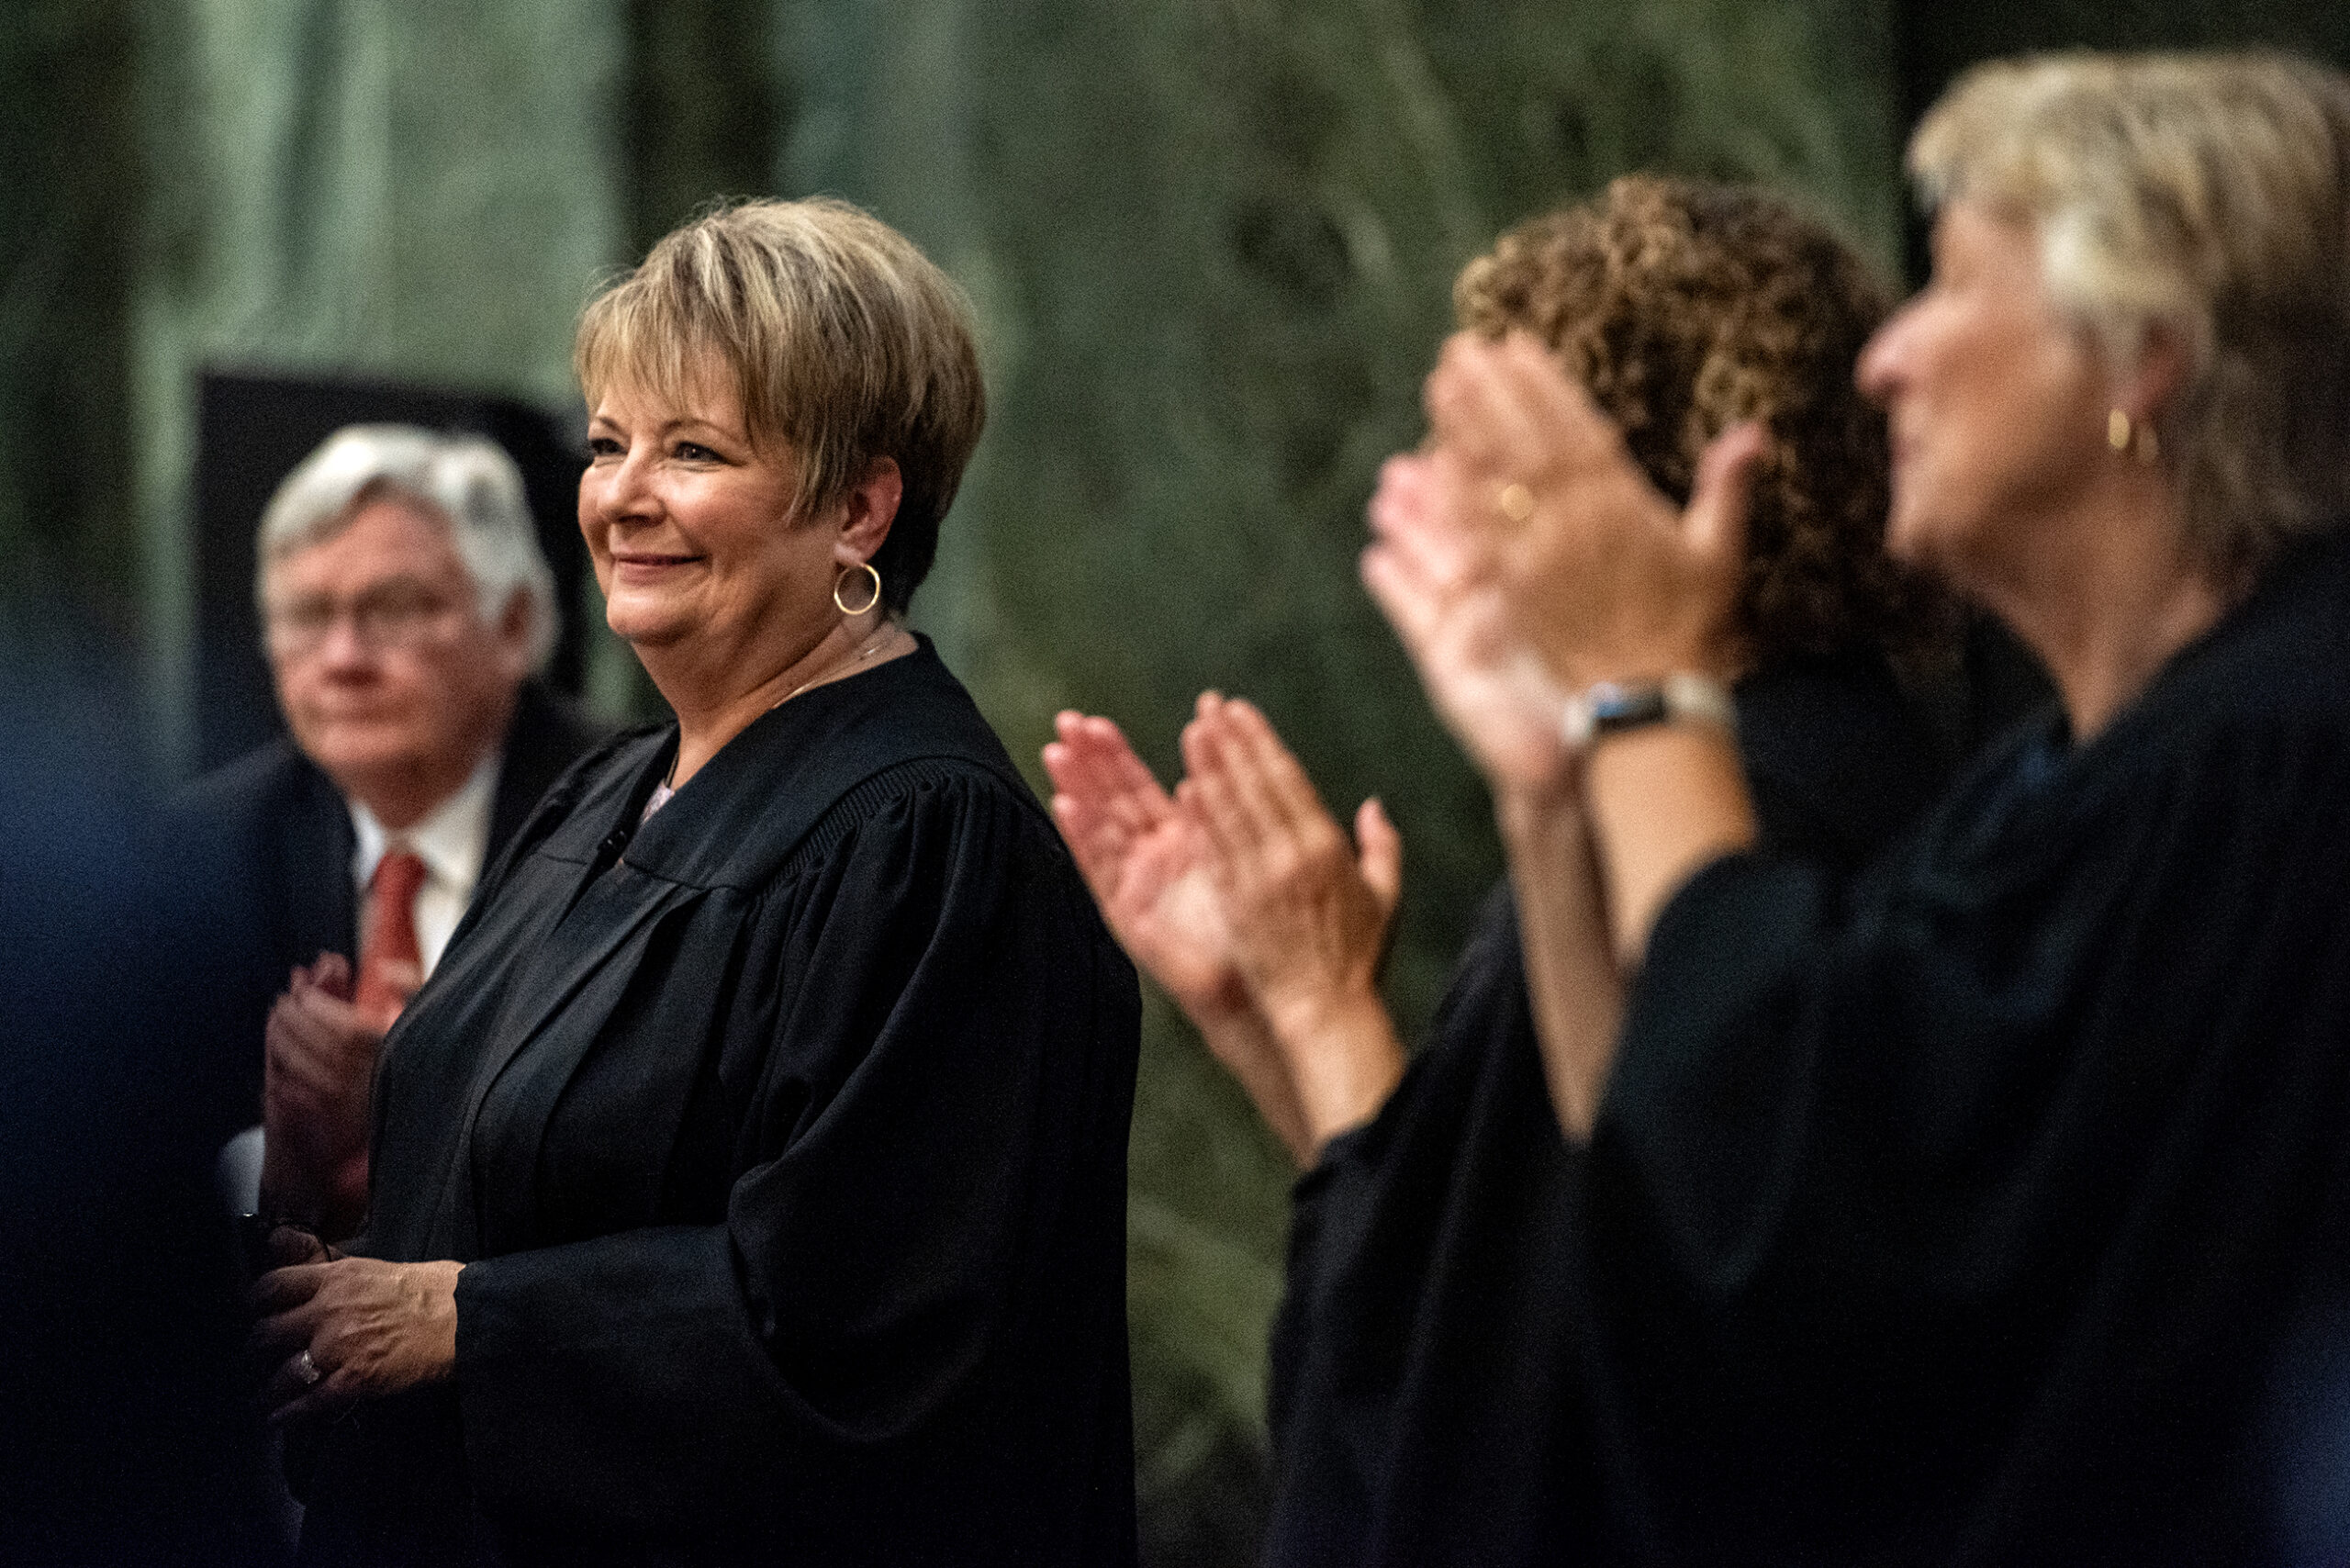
(268, 843)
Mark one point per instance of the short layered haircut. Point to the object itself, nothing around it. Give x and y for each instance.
(466, 482)
(845, 342)
(2203, 195)
(1685, 308)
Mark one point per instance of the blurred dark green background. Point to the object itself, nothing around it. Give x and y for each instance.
(1211, 243)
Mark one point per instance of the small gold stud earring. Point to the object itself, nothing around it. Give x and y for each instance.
(2137, 438)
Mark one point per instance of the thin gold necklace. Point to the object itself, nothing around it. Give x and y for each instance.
(669, 780)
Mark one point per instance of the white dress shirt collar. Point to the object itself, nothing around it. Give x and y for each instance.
(452, 839)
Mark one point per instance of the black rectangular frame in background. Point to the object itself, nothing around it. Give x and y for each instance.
(251, 428)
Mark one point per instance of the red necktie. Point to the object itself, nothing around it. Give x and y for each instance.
(391, 939)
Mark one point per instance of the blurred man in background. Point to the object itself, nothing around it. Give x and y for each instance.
(406, 609)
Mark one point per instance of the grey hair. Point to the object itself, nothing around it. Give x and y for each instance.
(2208, 194)
(468, 482)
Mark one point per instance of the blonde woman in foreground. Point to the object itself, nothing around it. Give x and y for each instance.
(748, 1181)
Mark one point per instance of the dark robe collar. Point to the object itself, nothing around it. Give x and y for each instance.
(2022, 803)
(546, 736)
(738, 819)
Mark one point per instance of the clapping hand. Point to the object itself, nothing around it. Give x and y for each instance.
(1523, 556)
(1307, 911)
(1605, 576)
(319, 1065)
(1440, 585)
(1141, 857)
(1243, 899)
(1144, 861)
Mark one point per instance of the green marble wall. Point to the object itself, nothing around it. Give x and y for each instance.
(420, 190)
(69, 162)
(1211, 243)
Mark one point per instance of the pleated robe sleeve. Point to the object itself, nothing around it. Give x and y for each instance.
(1959, 1208)
(891, 1345)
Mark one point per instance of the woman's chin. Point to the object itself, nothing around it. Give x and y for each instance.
(644, 625)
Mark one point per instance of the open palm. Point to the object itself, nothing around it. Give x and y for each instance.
(1144, 861)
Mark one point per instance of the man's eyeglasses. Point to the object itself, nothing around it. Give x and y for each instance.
(393, 615)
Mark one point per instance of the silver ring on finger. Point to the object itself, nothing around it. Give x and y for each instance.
(307, 1370)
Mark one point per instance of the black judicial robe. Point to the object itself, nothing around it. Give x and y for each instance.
(1417, 1397)
(784, 1140)
(1989, 1205)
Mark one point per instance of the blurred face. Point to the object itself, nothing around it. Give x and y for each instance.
(689, 526)
(1997, 404)
(389, 677)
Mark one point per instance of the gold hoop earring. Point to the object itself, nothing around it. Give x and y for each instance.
(868, 568)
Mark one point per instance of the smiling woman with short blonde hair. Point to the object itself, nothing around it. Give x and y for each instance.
(842, 340)
(749, 1180)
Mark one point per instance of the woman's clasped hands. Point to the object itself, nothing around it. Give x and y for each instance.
(1243, 897)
